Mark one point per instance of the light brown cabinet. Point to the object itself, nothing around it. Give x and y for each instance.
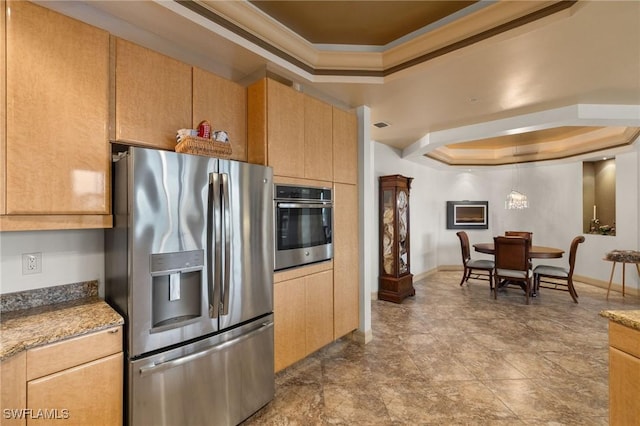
(319, 310)
(275, 132)
(345, 259)
(289, 322)
(318, 140)
(345, 147)
(13, 376)
(57, 103)
(624, 374)
(303, 313)
(90, 393)
(224, 104)
(152, 96)
(78, 381)
(289, 131)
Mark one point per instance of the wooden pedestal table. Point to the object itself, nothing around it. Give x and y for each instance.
(624, 257)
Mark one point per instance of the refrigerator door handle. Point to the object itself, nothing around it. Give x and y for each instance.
(226, 218)
(213, 244)
(162, 366)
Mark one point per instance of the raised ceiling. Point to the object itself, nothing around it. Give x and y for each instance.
(485, 72)
(373, 23)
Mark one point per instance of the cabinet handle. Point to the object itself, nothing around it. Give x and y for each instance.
(113, 331)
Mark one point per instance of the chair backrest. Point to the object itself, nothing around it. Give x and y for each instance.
(464, 246)
(572, 252)
(522, 234)
(511, 253)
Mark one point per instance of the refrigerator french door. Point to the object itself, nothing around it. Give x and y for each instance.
(189, 265)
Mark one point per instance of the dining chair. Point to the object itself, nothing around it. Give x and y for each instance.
(523, 234)
(557, 277)
(512, 263)
(478, 269)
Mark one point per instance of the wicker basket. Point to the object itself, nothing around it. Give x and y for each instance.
(203, 146)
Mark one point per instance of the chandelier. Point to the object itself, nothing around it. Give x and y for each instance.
(516, 200)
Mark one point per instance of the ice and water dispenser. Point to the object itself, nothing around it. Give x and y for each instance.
(176, 287)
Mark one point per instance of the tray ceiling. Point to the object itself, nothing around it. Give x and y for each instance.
(374, 23)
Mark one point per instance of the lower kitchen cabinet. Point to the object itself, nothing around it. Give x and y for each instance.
(318, 310)
(289, 322)
(624, 374)
(13, 376)
(78, 381)
(90, 393)
(303, 312)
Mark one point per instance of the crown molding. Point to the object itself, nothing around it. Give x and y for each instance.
(321, 61)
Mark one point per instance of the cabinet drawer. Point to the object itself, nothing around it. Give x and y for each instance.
(69, 353)
(624, 338)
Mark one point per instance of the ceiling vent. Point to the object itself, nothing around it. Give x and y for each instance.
(381, 124)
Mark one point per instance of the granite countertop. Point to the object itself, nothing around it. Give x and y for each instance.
(629, 318)
(35, 318)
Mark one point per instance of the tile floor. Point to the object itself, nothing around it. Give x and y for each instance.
(455, 356)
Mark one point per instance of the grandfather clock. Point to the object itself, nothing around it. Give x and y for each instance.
(396, 280)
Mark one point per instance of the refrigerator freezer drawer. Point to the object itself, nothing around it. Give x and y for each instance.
(219, 381)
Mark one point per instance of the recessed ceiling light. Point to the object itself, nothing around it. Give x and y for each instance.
(604, 158)
(381, 124)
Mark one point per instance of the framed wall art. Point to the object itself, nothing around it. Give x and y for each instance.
(467, 214)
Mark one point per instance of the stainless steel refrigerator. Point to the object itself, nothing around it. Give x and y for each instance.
(189, 264)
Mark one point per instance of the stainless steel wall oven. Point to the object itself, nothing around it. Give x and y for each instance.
(303, 225)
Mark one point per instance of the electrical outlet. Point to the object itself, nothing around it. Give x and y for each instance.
(31, 263)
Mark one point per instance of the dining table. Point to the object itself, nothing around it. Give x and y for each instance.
(535, 252)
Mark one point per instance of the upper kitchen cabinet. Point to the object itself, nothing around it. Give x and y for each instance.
(345, 147)
(223, 104)
(57, 106)
(318, 140)
(275, 114)
(152, 96)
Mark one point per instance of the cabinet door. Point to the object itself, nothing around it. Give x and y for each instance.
(13, 390)
(285, 130)
(3, 108)
(223, 104)
(289, 322)
(318, 140)
(346, 275)
(319, 310)
(624, 388)
(345, 147)
(57, 152)
(91, 393)
(153, 96)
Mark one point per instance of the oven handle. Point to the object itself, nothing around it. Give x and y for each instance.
(304, 205)
(162, 366)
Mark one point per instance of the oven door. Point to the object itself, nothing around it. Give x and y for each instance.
(303, 233)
